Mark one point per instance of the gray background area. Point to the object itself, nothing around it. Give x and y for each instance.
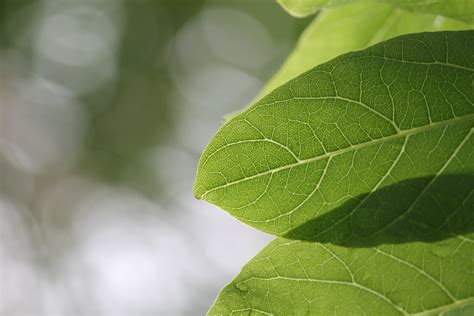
(105, 107)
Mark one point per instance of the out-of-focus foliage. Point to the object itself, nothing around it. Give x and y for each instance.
(457, 9)
(350, 27)
(103, 107)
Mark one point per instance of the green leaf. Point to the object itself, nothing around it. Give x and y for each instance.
(336, 137)
(305, 278)
(457, 9)
(350, 27)
(302, 8)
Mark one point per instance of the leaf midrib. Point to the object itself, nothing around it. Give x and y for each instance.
(399, 134)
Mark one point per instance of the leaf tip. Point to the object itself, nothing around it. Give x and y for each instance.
(198, 190)
(296, 10)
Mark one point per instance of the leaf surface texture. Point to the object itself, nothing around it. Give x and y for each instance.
(314, 157)
(305, 278)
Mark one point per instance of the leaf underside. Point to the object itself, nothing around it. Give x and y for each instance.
(304, 278)
(364, 166)
(335, 135)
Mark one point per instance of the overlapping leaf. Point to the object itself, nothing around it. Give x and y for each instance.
(458, 9)
(305, 278)
(350, 27)
(313, 159)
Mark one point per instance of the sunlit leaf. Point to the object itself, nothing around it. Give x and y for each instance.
(305, 278)
(313, 159)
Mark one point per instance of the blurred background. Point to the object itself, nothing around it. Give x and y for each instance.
(105, 107)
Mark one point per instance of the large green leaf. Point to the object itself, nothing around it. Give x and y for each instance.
(350, 27)
(337, 137)
(305, 278)
(458, 9)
